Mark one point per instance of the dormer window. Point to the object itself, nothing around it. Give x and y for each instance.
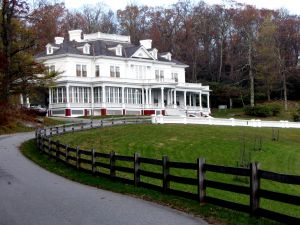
(119, 50)
(167, 56)
(153, 52)
(49, 49)
(86, 49)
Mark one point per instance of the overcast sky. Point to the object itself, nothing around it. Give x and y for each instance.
(293, 6)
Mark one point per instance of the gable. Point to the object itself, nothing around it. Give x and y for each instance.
(142, 53)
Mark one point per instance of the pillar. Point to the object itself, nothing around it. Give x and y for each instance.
(184, 99)
(50, 97)
(103, 96)
(200, 99)
(150, 97)
(123, 97)
(208, 103)
(175, 100)
(190, 102)
(162, 98)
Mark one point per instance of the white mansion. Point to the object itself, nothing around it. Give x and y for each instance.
(104, 74)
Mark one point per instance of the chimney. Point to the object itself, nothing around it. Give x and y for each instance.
(146, 43)
(59, 40)
(75, 35)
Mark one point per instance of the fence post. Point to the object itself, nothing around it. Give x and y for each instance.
(93, 161)
(101, 123)
(136, 169)
(91, 123)
(201, 178)
(56, 130)
(50, 131)
(77, 158)
(49, 145)
(166, 182)
(57, 150)
(254, 187)
(67, 153)
(124, 120)
(81, 125)
(112, 164)
(64, 128)
(73, 127)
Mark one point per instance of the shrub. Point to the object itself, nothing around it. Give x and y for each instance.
(263, 110)
(296, 115)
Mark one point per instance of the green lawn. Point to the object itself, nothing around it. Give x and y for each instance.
(217, 144)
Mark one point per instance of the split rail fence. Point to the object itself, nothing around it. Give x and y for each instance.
(90, 161)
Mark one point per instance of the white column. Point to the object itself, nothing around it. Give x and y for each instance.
(175, 100)
(123, 98)
(208, 103)
(194, 100)
(50, 97)
(190, 103)
(27, 102)
(162, 98)
(103, 96)
(67, 94)
(150, 97)
(200, 100)
(21, 99)
(143, 97)
(184, 99)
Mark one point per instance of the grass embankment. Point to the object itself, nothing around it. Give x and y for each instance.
(218, 145)
(212, 214)
(27, 126)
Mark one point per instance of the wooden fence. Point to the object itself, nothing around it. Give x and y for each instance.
(89, 160)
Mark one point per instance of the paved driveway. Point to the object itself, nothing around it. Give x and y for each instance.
(30, 195)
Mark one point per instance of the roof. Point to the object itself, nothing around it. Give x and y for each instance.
(98, 48)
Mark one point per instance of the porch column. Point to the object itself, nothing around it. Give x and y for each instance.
(92, 101)
(175, 100)
(147, 97)
(208, 103)
(200, 100)
(67, 94)
(143, 97)
(123, 97)
(184, 99)
(162, 98)
(171, 97)
(21, 99)
(50, 97)
(194, 100)
(190, 102)
(150, 97)
(104, 96)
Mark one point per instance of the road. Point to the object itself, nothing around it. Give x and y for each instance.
(29, 195)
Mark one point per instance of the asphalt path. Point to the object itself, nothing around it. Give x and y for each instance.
(30, 195)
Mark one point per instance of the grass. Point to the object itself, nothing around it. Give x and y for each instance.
(217, 144)
(212, 214)
(17, 126)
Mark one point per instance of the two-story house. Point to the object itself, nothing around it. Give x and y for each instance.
(105, 74)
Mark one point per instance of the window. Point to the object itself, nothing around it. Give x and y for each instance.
(59, 95)
(97, 94)
(49, 50)
(175, 77)
(119, 51)
(114, 71)
(162, 75)
(84, 73)
(97, 71)
(80, 94)
(50, 69)
(78, 70)
(140, 71)
(113, 94)
(159, 75)
(86, 49)
(81, 70)
(133, 96)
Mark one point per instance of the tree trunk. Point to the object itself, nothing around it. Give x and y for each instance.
(284, 91)
(251, 76)
(221, 61)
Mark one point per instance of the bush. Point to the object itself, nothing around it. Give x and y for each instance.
(263, 110)
(296, 115)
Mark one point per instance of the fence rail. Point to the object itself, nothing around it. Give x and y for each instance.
(160, 119)
(89, 160)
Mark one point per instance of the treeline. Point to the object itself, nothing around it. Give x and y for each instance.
(244, 53)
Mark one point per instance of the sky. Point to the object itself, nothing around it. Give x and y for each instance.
(293, 6)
